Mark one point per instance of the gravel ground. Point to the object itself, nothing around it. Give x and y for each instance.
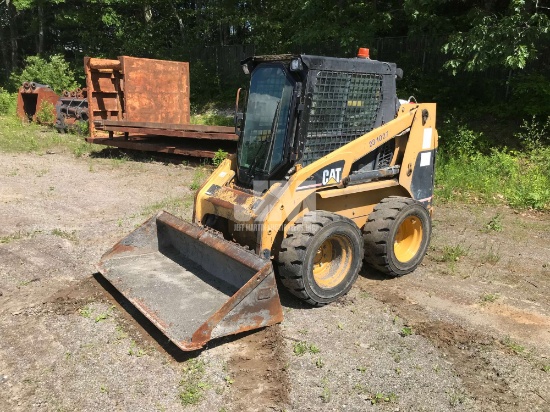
(468, 331)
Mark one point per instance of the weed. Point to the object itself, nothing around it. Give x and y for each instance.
(340, 326)
(105, 315)
(135, 351)
(191, 385)
(513, 346)
(302, 347)
(212, 118)
(86, 311)
(319, 363)
(303, 331)
(46, 113)
(198, 178)
(229, 381)
(8, 102)
(381, 397)
(406, 331)
(103, 389)
(453, 253)
(495, 224)
(491, 257)
(364, 295)
(362, 369)
(436, 368)
(120, 333)
(326, 393)
(314, 349)
(456, 397)
(174, 205)
(489, 297)
(219, 157)
(545, 368)
(65, 235)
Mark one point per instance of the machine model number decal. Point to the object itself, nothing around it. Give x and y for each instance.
(378, 139)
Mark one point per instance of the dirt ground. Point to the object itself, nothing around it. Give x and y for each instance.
(468, 331)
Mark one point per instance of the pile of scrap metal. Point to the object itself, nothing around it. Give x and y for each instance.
(31, 99)
(72, 110)
(143, 104)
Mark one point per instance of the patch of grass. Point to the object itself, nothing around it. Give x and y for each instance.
(519, 179)
(495, 224)
(19, 137)
(319, 363)
(456, 397)
(302, 347)
(199, 177)
(513, 346)
(86, 311)
(104, 315)
(452, 253)
(175, 205)
(364, 295)
(192, 386)
(65, 235)
(406, 331)
(489, 297)
(46, 113)
(212, 118)
(381, 397)
(134, 350)
(326, 393)
(492, 257)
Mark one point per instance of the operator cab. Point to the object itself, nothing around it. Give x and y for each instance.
(300, 108)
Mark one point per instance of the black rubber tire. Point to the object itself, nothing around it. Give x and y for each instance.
(298, 250)
(381, 229)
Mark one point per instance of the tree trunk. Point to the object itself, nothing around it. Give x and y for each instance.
(180, 22)
(5, 59)
(40, 48)
(12, 14)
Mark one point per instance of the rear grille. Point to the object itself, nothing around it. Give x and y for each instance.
(344, 107)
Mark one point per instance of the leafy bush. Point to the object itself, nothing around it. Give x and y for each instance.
(46, 113)
(456, 139)
(7, 102)
(54, 72)
(534, 135)
(219, 157)
(519, 179)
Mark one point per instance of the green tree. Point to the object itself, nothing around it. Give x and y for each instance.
(54, 72)
(507, 39)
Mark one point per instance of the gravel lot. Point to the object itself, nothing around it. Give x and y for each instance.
(468, 331)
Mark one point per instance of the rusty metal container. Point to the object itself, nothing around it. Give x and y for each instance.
(137, 90)
(30, 98)
(191, 283)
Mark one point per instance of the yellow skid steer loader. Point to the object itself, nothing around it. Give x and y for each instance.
(331, 170)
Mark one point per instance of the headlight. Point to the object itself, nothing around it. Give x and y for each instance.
(296, 65)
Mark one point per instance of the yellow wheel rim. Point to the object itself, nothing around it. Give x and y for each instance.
(332, 262)
(408, 239)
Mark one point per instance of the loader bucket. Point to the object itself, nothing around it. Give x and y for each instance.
(191, 283)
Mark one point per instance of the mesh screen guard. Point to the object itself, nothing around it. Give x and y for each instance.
(344, 106)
